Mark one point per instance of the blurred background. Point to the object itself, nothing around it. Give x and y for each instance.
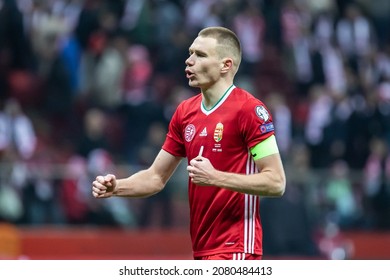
(88, 87)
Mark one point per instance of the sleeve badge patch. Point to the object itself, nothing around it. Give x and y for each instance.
(262, 113)
(266, 128)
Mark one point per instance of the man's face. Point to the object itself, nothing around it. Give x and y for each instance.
(203, 64)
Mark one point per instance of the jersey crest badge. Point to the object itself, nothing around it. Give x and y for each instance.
(262, 113)
(189, 132)
(218, 132)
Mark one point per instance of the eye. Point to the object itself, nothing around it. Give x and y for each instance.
(201, 54)
(197, 53)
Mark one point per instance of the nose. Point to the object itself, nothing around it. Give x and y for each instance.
(189, 60)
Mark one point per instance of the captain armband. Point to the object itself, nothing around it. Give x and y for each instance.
(265, 148)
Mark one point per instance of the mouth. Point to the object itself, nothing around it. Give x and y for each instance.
(189, 74)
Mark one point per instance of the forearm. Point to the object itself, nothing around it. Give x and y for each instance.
(266, 183)
(142, 184)
(270, 181)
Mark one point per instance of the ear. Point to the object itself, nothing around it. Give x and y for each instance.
(227, 65)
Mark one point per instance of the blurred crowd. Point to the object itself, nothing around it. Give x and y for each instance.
(89, 86)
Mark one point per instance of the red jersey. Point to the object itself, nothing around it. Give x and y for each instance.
(222, 221)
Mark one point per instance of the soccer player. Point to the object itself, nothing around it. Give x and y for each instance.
(227, 136)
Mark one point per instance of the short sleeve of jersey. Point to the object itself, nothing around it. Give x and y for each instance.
(255, 122)
(174, 142)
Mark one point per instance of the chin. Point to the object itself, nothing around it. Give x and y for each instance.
(193, 84)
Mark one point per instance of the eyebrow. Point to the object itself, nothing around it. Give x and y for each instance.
(191, 50)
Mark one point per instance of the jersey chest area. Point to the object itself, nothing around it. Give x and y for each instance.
(219, 134)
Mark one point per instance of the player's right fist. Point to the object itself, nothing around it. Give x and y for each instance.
(104, 186)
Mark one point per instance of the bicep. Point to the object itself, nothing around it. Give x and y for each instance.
(270, 163)
(272, 167)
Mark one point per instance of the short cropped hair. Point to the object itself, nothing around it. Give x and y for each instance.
(228, 43)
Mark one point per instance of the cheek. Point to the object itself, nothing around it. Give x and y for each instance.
(210, 71)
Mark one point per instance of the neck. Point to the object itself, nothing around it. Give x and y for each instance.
(211, 96)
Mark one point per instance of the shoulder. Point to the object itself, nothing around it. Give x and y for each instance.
(244, 95)
(190, 102)
(187, 107)
(251, 107)
(247, 100)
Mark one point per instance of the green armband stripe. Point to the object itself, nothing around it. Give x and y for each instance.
(265, 148)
